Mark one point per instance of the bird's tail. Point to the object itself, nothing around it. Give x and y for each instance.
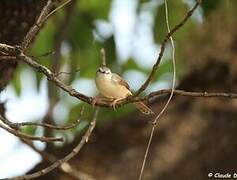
(143, 108)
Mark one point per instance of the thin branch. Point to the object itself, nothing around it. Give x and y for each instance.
(162, 92)
(66, 158)
(38, 24)
(170, 97)
(43, 55)
(67, 73)
(162, 49)
(29, 137)
(103, 54)
(56, 9)
(43, 17)
(45, 125)
(65, 167)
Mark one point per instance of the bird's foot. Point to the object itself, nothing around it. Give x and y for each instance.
(114, 102)
(94, 101)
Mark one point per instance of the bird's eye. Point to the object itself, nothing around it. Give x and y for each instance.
(101, 70)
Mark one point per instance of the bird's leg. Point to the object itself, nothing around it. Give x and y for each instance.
(97, 99)
(114, 102)
(94, 101)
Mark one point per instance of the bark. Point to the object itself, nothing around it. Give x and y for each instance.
(17, 16)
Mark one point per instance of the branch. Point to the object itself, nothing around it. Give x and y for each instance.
(103, 55)
(156, 94)
(162, 49)
(59, 162)
(45, 125)
(65, 167)
(16, 52)
(43, 17)
(26, 136)
(38, 24)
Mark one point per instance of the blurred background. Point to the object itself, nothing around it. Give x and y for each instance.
(195, 136)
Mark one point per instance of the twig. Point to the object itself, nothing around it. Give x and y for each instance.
(44, 15)
(190, 94)
(103, 54)
(56, 9)
(162, 49)
(45, 125)
(67, 73)
(65, 167)
(66, 158)
(43, 55)
(26, 136)
(170, 97)
(38, 24)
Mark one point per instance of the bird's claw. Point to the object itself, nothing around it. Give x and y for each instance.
(113, 104)
(94, 101)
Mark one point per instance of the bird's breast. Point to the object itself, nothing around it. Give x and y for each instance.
(110, 89)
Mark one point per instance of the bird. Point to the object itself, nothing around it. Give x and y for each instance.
(112, 86)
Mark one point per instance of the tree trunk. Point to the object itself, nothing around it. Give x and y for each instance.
(17, 16)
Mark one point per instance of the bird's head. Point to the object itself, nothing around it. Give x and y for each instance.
(104, 70)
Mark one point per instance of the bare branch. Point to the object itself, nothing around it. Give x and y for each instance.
(38, 24)
(67, 73)
(29, 137)
(162, 49)
(65, 167)
(43, 55)
(162, 92)
(45, 125)
(43, 17)
(103, 54)
(67, 157)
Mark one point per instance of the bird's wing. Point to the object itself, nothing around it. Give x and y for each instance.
(117, 79)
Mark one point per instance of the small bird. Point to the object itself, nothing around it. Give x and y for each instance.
(112, 86)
